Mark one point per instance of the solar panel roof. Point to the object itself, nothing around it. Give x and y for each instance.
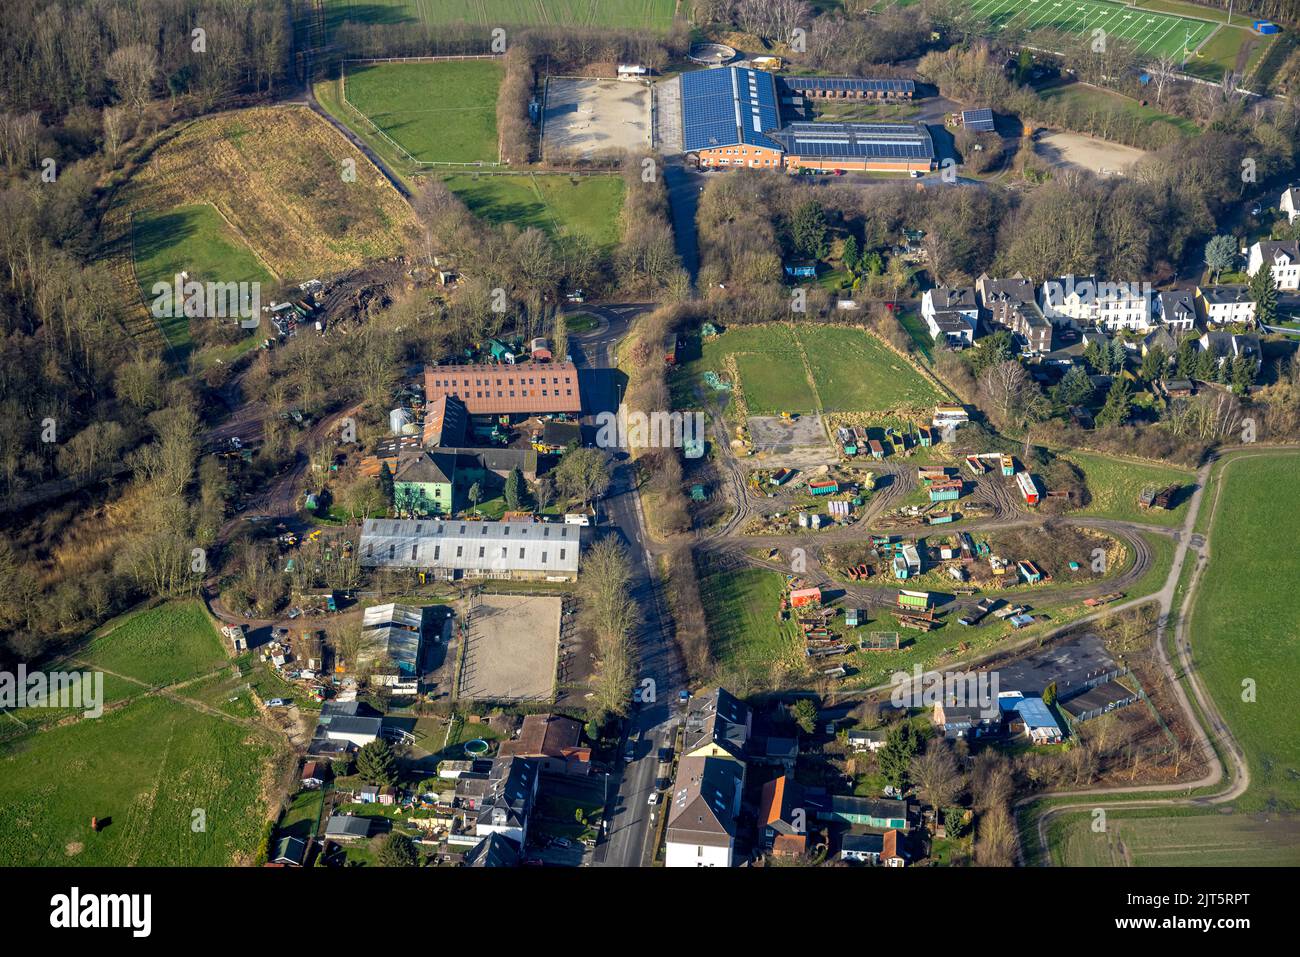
(728, 107)
(979, 120)
(857, 140)
(847, 84)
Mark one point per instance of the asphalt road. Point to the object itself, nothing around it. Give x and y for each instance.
(629, 818)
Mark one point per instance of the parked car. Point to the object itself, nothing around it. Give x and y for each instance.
(277, 703)
(653, 799)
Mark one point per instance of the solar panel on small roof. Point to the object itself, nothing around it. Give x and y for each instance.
(981, 121)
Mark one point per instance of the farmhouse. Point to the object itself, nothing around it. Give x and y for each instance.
(523, 389)
(553, 742)
(1282, 256)
(731, 117)
(1226, 305)
(462, 549)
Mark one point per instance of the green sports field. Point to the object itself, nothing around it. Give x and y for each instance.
(442, 112)
(1151, 34)
(637, 14)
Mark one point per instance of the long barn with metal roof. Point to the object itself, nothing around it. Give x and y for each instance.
(858, 146)
(846, 87)
(731, 117)
(455, 549)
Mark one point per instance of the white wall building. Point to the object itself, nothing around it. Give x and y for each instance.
(1086, 301)
(1283, 256)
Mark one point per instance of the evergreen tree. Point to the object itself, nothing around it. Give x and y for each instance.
(1118, 355)
(809, 230)
(514, 489)
(398, 850)
(386, 482)
(1154, 364)
(849, 256)
(805, 715)
(1263, 290)
(376, 763)
(1118, 405)
(1075, 388)
(1187, 356)
(1220, 254)
(1243, 375)
(896, 756)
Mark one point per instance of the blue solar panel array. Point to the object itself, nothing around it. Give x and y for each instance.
(981, 121)
(842, 84)
(885, 141)
(728, 107)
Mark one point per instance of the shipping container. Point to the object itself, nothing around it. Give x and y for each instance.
(1027, 488)
(913, 599)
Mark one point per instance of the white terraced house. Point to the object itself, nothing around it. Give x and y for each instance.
(1086, 301)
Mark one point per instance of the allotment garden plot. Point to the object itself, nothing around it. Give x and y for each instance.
(441, 111)
(1151, 34)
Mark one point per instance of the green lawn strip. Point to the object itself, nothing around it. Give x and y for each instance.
(553, 203)
(1174, 836)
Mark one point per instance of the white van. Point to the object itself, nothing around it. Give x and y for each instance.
(577, 519)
